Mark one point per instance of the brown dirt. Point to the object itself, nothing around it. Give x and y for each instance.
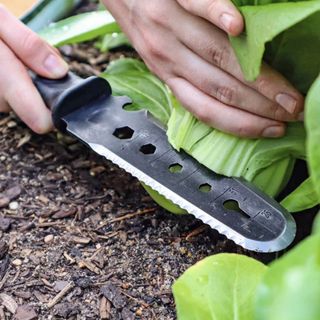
(79, 237)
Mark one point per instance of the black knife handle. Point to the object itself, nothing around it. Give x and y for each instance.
(70, 93)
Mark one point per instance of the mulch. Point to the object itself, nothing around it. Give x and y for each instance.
(79, 237)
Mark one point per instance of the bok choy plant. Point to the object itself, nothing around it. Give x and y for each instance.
(226, 287)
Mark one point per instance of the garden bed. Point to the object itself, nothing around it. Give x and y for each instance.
(79, 237)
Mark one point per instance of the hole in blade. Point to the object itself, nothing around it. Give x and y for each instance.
(123, 133)
(130, 107)
(233, 205)
(205, 188)
(175, 168)
(148, 149)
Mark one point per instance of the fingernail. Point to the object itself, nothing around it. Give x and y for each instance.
(273, 132)
(226, 20)
(56, 66)
(301, 116)
(287, 102)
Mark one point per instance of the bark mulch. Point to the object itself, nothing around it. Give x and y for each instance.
(79, 237)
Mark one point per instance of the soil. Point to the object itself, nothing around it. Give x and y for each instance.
(79, 237)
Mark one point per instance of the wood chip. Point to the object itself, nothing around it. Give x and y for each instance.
(89, 265)
(196, 231)
(13, 192)
(4, 201)
(24, 140)
(80, 240)
(114, 295)
(9, 303)
(104, 308)
(25, 312)
(60, 295)
(65, 213)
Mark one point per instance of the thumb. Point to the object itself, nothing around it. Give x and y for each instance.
(34, 52)
(221, 13)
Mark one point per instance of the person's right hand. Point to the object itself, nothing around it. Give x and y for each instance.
(181, 41)
(20, 48)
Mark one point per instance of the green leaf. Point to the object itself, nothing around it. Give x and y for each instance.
(304, 197)
(112, 41)
(268, 163)
(316, 225)
(130, 77)
(264, 23)
(312, 120)
(290, 289)
(80, 28)
(220, 287)
(163, 202)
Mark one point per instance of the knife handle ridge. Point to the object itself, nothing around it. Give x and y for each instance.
(70, 93)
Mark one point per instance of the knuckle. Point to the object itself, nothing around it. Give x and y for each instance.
(245, 129)
(156, 12)
(154, 49)
(187, 4)
(225, 94)
(262, 84)
(212, 8)
(220, 57)
(278, 113)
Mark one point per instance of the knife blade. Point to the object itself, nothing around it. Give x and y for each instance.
(86, 109)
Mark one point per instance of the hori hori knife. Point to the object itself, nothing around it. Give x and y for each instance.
(87, 110)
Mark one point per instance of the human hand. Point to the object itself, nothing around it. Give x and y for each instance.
(20, 49)
(195, 59)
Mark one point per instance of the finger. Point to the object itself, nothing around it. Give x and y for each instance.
(212, 45)
(19, 92)
(227, 89)
(222, 13)
(222, 117)
(30, 48)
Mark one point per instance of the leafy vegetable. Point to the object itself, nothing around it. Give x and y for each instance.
(313, 129)
(290, 289)
(266, 162)
(297, 44)
(83, 27)
(304, 197)
(113, 40)
(220, 287)
(316, 225)
(131, 77)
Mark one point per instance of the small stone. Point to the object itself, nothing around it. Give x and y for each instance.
(13, 205)
(139, 312)
(17, 262)
(11, 124)
(49, 238)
